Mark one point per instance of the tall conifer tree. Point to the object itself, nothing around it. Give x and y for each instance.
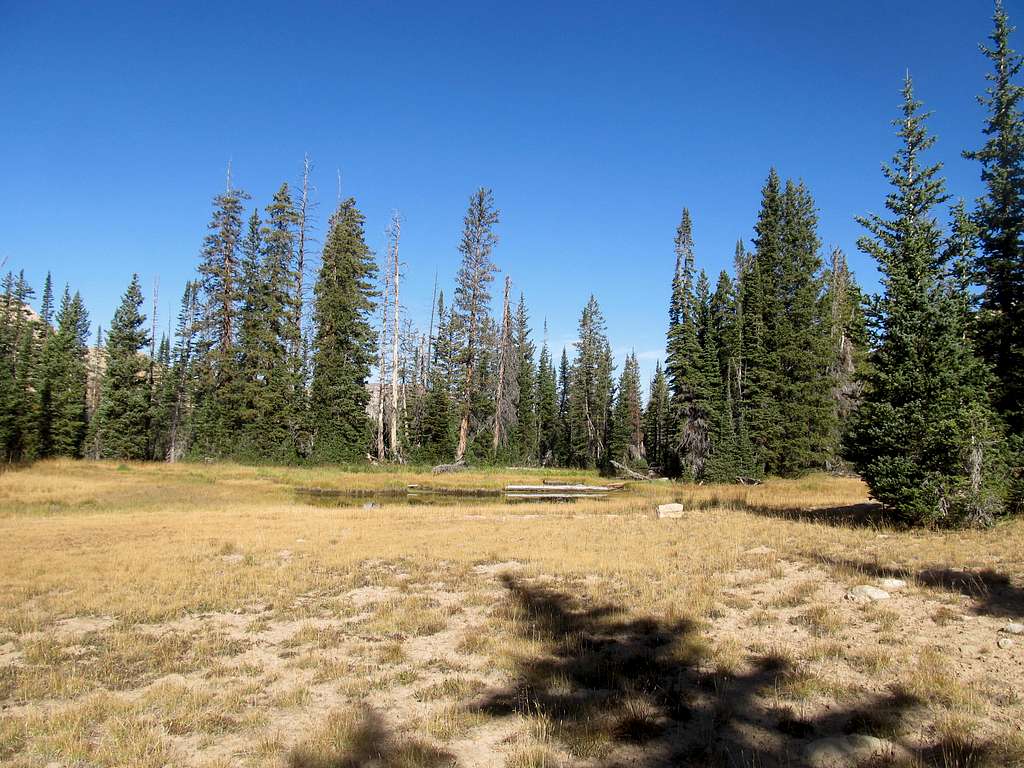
(925, 438)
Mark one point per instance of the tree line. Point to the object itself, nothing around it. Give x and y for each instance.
(782, 367)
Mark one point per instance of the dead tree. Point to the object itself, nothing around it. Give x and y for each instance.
(382, 360)
(394, 237)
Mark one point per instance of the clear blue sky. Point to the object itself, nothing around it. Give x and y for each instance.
(594, 123)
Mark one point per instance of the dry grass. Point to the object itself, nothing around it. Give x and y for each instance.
(208, 615)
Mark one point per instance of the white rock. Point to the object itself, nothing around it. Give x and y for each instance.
(892, 584)
(846, 751)
(865, 593)
(1013, 628)
(671, 510)
(1005, 643)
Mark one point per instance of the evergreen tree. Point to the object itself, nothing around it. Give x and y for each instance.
(590, 390)
(564, 453)
(269, 353)
(691, 438)
(657, 438)
(472, 295)
(925, 437)
(46, 309)
(547, 406)
(63, 381)
(217, 387)
(181, 378)
(627, 437)
(438, 423)
(345, 344)
(849, 346)
(122, 422)
(526, 435)
(1000, 219)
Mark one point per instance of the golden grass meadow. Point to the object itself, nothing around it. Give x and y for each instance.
(211, 615)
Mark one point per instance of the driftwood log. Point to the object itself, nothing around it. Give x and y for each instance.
(622, 468)
(457, 466)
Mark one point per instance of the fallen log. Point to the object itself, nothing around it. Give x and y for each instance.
(457, 466)
(628, 472)
(555, 496)
(547, 488)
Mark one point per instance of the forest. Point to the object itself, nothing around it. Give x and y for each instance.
(285, 355)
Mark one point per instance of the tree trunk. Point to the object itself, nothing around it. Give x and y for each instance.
(395, 234)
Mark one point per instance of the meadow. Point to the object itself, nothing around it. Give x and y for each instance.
(211, 615)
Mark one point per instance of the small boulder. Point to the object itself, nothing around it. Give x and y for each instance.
(855, 749)
(1013, 628)
(671, 510)
(1005, 643)
(865, 593)
(892, 584)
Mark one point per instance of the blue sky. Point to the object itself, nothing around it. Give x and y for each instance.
(594, 123)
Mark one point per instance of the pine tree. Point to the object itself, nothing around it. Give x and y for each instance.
(627, 437)
(547, 406)
(438, 424)
(1000, 219)
(217, 387)
(46, 309)
(925, 437)
(182, 367)
(345, 343)
(657, 420)
(62, 383)
(526, 424)
(122, 422)
(802, 344)
(564, 452)
(472, 294)
(590, 390)
(691, 439)
(849, 346)
(269, 353)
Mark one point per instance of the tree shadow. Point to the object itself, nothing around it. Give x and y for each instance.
(865, 515)
(362, 740)
(992, 593)
(613, 690)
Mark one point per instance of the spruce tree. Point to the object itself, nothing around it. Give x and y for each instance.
(181, 379)
(590, 390)
(925, 437)
(472, 295)
(657, 420)
(526, 436)
(691, 438)
(217, 386)
(122, 421)
(547, 406)
(345, 343)
(1000, 220)
(565, 453)
(63, 381)
(627, 437)
(438, 432)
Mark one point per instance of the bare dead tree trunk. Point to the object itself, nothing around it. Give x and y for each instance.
(506, 323)
(382, 363)
(430, 329)
(394, 238)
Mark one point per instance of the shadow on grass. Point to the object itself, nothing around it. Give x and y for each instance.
(612, 691)
(992, 593)
(359, 739)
